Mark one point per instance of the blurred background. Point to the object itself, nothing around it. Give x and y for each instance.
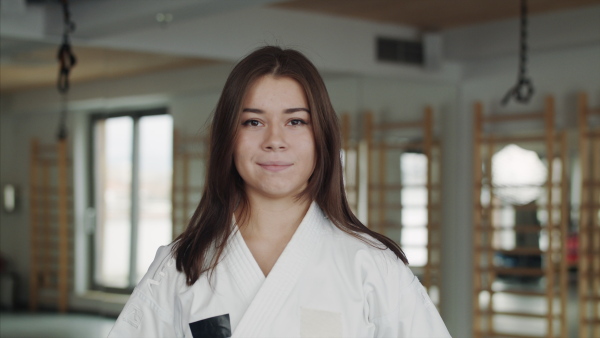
(495, 202)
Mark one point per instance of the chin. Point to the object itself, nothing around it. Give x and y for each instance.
(280, 192)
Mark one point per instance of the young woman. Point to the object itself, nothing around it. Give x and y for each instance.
(273, 249)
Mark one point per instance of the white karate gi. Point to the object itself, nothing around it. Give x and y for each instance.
(326, 283)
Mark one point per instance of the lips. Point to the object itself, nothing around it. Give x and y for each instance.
(275, 166)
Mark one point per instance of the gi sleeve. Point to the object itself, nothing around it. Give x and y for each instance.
(151, 311)
(400, 306)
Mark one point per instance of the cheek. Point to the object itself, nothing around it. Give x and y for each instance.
(239, 159)
(310, 152)
(239, 152)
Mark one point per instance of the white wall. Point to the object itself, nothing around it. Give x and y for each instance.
(8, 223)
(545, 32)
(390, 99)
(562, 73)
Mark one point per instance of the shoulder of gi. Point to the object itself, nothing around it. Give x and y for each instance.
(395, 300)
(153, 310)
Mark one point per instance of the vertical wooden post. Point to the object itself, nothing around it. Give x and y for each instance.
(564, 219)
(357, 177)
(437, 152)
(174, 220)
(583, 221)
(345, 145)
(63, 228)
(489, 236)
(369, 140)
(345, 131)
(46, 240)
(428, 144)
(595, 236)
(185, 185)
(549, 133)
(33, 225)
(477, 176)
(381, 200)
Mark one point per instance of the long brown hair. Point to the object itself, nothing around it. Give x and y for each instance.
(199, 248)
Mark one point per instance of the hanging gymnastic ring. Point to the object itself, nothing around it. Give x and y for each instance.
(524, 90)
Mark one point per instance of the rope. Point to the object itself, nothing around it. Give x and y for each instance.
(67, 61)
(523, 90)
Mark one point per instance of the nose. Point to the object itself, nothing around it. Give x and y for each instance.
(274, 139)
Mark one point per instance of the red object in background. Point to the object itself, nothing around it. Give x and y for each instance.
(572, 249)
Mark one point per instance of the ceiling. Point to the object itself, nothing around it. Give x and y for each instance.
(431, 14)
(29, 64)
(37, 66)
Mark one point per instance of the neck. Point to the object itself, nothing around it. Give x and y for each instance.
(273, 218)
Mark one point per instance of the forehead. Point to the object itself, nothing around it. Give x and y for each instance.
(275, 90)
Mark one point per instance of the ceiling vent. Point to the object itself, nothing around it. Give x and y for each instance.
(401, 51)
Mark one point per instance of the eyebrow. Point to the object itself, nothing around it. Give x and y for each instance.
(287, 111)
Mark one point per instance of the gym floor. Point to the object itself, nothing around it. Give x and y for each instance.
(53, 325)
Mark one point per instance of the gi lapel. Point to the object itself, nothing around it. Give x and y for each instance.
(283, 277)
(243, 268)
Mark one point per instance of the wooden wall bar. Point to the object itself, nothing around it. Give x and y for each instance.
(386, 141)
(189, 160)
(492, 278)
(589, 221)
(51, 226)
(350, 146)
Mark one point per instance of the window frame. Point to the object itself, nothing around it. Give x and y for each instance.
(94, 118)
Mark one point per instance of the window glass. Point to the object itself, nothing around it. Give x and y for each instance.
(113, 178)
(413, 171)
(156, 164)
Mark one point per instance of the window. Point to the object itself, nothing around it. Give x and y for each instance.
(413, 170)
(132, 174)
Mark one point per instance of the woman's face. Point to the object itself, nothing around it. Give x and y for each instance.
(275, 149)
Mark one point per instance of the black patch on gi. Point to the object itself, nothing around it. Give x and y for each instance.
(213, 327)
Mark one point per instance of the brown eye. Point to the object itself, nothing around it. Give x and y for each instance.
(251, 123)
(297, 122)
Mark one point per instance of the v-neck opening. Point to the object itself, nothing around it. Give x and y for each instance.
(242, 242)
(284, 274)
